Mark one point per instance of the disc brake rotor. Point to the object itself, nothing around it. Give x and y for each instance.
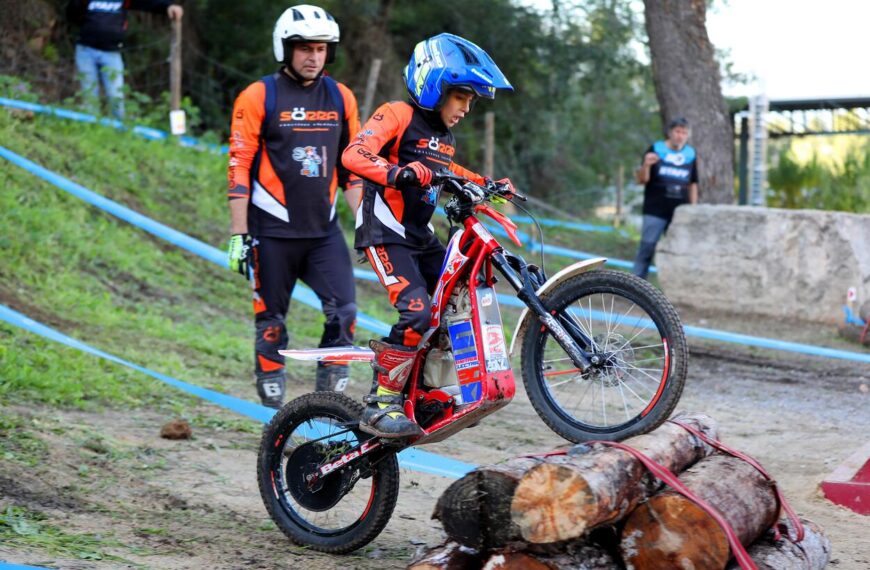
(308, 487)
(618, 355)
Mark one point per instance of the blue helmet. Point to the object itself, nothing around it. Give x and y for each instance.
(446, 61)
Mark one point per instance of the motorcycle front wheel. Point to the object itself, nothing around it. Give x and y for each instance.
(639, 355)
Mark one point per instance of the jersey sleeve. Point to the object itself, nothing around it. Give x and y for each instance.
(350, 130)
(361, 157)
(462, 171)
(248, 114)
(693, 177)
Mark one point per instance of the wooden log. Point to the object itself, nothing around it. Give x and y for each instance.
(671, 531)
(449, 556)
(587, 557)
(566, 496)
(813, 553)
(476, 510)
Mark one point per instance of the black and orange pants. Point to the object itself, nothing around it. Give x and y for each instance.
(321, 263)
(409, 275)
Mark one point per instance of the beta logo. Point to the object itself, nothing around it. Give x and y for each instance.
(299, 114)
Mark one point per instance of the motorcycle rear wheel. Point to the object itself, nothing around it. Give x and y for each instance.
(352, 504)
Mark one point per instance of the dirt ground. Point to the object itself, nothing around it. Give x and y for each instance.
(195, 503)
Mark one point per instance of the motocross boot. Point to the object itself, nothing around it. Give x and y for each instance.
(330, 377)
(271, 389)
(383, 416)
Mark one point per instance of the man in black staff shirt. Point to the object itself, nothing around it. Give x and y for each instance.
(669, 172)
(102, 28)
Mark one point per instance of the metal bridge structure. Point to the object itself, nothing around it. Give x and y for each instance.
(761, 119)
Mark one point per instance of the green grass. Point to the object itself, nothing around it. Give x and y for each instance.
(21, 528)
(102, 281)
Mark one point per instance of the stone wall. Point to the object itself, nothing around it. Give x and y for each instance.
(789, 263)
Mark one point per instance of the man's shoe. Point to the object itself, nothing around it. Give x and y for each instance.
(271, 390)
(331, 378)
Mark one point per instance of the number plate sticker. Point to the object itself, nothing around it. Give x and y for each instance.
(464, 347)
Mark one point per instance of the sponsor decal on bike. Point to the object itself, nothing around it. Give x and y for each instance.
(347, 458)
(494, 350)
(486, 299)
(482, 232)
(471, 392)
(464, 347)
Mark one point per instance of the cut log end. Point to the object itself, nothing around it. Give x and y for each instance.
(449, 556)
(663, 533)
(552, 503)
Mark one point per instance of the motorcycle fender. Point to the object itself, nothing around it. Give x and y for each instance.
(336, 354)
(567, 273)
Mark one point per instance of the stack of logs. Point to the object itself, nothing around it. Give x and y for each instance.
(597, 508)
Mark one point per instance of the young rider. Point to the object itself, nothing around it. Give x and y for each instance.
(396, 153)
(288, 131)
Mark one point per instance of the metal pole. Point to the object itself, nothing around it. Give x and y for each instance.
(177, 122)
(742, 163)
(175, 66)
(620, 183)
(371, 85)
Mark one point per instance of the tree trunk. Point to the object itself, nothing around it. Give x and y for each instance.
(576, 556)
(476, 510)
(671, 531)
(687, 82)
(814, 551)
(569, 495)
(450, 556)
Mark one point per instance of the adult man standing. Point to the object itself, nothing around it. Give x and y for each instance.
(288, 132)
(669, 172)
(102, 28)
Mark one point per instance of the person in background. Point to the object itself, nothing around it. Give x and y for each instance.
(669, 173)
(287, 134)
(102, 29)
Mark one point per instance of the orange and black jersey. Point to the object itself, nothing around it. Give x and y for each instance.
(399, 133)
(285, 150)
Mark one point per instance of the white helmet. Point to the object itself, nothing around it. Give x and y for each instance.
(304, 23)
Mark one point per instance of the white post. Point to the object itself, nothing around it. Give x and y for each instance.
(758, 107)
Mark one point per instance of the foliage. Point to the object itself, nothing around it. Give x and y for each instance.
(824, 185)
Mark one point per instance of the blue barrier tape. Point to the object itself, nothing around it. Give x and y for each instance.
(193, 245)
(155, 134)
(5, 566)
(414, 459)
(307, 296)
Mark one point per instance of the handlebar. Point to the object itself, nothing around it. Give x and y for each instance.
(449, 178)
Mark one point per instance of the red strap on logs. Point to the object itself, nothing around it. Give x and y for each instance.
(666, 475)
(780, 498)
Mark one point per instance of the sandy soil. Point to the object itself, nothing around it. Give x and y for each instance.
(800, 417)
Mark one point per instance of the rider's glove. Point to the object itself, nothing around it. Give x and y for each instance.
(414, 174)
(239, 253)
(505, 187)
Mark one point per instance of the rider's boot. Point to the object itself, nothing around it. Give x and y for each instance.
(383, 415)
(331, 377)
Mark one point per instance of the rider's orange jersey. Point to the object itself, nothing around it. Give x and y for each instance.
(399, 133)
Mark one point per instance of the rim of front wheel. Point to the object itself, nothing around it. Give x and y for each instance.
(629, 377)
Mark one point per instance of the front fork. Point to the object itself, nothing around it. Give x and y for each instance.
(563, 329)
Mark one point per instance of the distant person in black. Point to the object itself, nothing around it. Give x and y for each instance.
(669, 172)
(102, 27)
